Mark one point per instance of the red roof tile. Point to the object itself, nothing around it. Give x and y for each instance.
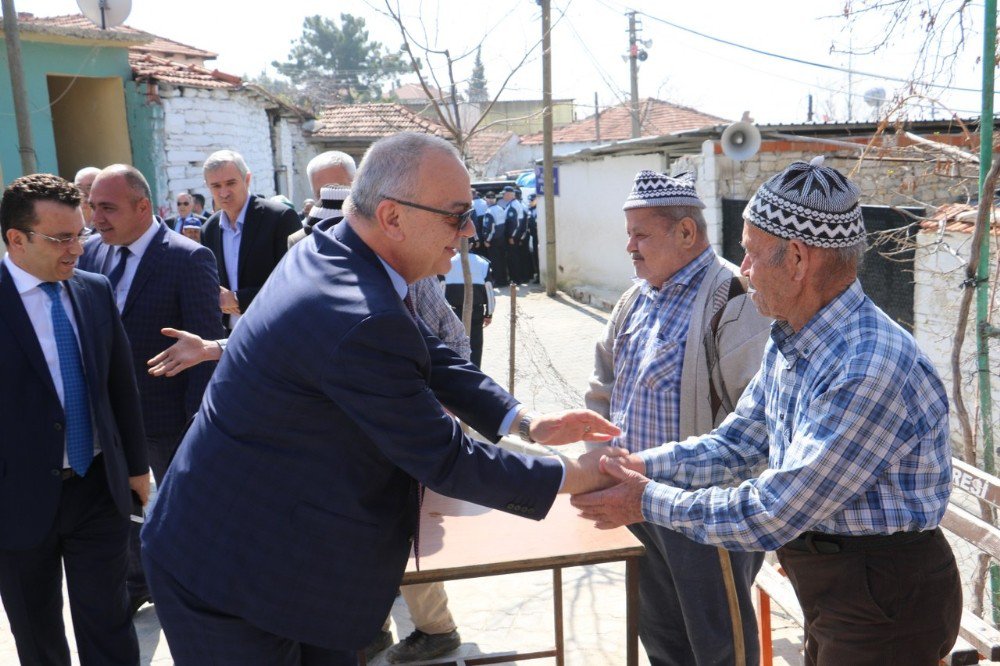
(371, 120)
(163, 46)
(956, 218)
(481, 148)
(656, 117)
(78, 25)
(147, 66)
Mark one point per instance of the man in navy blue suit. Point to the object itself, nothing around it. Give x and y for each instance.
(284, 524)
(161, 279)
(73, 444)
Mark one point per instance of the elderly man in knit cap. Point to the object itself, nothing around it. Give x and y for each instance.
(679, 349)
(851, 421)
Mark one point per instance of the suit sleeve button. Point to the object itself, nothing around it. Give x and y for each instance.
(56, 472)
(57, 425)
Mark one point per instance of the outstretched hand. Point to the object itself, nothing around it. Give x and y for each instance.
(188, 351)
(620, 504)
(572, 425)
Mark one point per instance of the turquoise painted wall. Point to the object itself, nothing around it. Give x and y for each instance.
(43, 58)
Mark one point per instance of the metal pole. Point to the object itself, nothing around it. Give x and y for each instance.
(513, 338)
(597, 121)
(13, 38)
(983, 271)
(633, 68)
(547, 171)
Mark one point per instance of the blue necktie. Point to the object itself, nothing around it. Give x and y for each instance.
(119, 270)
(79, 430)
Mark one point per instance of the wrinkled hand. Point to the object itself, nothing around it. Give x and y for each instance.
(584, 474)
(227, 301)
(487, 321)
(140, 484)
(620, 504)
(189, 350)
(572, 425)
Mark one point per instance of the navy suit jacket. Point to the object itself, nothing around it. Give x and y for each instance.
(33, 440)
(176, 285)
(293, 498)
(266, 228)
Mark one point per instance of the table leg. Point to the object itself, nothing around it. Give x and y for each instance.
(632, 611)
(557, 600)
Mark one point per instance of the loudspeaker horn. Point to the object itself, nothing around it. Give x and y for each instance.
(741, 140)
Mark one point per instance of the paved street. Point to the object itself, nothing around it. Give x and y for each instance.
(554, 351)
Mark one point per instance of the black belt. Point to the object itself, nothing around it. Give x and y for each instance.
(829, 544)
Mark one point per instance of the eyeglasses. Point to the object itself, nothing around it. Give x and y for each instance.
(461, 219)
(183, 203)
(66, 240)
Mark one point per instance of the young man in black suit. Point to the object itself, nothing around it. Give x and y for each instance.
(248, 233)
(73, 444)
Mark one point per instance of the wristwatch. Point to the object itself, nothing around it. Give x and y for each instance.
(524, 426)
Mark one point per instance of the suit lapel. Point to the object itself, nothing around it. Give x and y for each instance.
(147, 266)
(251, 230)
(12, 312)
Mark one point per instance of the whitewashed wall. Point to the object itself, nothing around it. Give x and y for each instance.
(197, 122)
(938, 274)
(590, 224)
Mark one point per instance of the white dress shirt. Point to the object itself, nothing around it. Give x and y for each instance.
(137, 249)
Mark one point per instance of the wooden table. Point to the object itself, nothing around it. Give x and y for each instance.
(463, 540)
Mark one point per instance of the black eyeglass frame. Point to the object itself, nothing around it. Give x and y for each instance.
(461, 219)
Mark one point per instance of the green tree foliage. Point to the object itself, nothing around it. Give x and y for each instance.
(477, 83)
(339, 63)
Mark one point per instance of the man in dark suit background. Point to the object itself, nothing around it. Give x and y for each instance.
(73, 443)
(248, 234)
(185, 213)
(284, 523)
(161, 279)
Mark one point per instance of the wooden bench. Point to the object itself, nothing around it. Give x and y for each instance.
(971, 489)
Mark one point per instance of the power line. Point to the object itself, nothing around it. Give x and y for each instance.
(810, 63)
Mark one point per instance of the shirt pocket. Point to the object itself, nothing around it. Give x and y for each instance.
(663, 367)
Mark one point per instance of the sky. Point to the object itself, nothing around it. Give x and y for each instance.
(589, 38)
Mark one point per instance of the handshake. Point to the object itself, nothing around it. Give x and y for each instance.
(606, 483)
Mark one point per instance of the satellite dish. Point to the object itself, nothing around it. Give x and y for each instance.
(106, 13)
(875, 97)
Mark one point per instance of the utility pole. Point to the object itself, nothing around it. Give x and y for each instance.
(547, 171)
(13, 38)
(633, 65)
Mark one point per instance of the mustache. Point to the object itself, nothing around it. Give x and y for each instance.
(636, 256)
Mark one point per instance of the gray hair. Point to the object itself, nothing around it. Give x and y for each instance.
(331, 158)
(84, 172)
(847, 259)
(678, 213)
(391, 168)
(220, 158)
(136, 182)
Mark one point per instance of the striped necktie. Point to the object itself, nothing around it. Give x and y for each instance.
(76, 403)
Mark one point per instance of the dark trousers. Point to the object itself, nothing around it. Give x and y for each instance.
(683, 608)
(899, 605)
(161, 451)
(476, 341)
(90, 539)
(497, 254)
(199, 634)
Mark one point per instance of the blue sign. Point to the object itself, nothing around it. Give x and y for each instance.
(540, 183)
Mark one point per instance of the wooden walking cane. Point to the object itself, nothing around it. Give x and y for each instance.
(739, 647)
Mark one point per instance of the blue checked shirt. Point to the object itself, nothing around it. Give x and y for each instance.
(649, 357)
(852, 421)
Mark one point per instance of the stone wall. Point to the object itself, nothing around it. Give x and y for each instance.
(197, 122)
(939, 269)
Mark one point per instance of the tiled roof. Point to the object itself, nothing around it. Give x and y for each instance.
(371, 120)
(147, 66)
(656, 118)
(956, 218)
(413, 92)
(162, 45)
(481, 148)
(79, 26)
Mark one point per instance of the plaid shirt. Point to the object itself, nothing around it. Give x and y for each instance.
(433, 309)
(649, 357)
(852, 421)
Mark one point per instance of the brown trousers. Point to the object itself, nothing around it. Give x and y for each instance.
(898, 605)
